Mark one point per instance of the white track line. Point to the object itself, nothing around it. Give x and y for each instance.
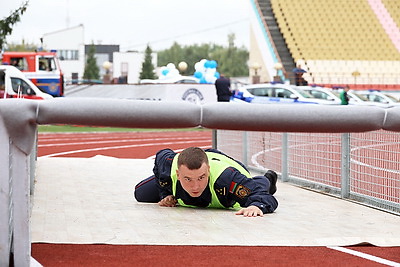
(366, 256)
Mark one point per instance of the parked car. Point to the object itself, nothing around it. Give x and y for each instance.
(359, 99)
(379, 97)
(14, 84)
(274, 93)
(322, 93)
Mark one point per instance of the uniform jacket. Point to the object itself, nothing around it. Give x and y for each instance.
(231, 186)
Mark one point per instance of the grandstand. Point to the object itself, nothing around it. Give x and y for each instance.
(338, 42)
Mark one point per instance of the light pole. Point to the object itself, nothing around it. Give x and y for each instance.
(277, 67)
(256, 67)
(107, 66)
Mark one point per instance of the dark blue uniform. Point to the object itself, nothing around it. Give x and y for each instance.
(254, 191)
(223, 87)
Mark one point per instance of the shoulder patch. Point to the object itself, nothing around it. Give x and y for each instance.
(242, 191)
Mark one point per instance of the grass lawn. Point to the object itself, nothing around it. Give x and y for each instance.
(77, 128)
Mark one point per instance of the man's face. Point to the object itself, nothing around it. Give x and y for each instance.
(193, 181)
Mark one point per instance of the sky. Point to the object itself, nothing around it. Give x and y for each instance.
(133, 24)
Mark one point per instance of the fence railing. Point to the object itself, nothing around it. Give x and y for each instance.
(357, 166)
(19, 119)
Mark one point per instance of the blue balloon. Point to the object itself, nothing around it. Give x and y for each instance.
(203, 80)
(213, 64)
(165, 72)
(207, 64)
(217, 75)
(198, 74)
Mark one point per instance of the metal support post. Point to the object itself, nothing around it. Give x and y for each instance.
(345, 162)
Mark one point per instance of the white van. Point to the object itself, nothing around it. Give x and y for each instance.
(14, 84)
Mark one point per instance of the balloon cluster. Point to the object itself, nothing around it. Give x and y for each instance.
(168, 72)
(206, 71)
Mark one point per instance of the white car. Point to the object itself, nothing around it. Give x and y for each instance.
(322, 93)
(357, 99)
(379, 97)
(14, 84)
(362, 100)
(269, 93)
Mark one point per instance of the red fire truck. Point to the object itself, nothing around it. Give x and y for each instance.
(42, 68)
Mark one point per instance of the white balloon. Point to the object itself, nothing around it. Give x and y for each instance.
(199, 67)
(173, 73)
(211, 70)
(171, 66)
(209, 77)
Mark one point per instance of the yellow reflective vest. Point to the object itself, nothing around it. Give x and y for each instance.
(218, 163)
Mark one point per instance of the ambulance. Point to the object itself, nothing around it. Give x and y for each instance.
(42, 68)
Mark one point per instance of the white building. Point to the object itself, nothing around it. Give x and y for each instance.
(70, 46)
(128, 65)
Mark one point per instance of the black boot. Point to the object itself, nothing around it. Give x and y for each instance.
(272, 177)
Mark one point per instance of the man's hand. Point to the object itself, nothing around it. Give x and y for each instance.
(250, 211)
(168, 201)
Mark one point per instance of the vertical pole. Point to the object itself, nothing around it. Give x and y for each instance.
(245, 148)
(21, 243)
(285, 160)
(5, 197)
(214, 139)
(345, 162)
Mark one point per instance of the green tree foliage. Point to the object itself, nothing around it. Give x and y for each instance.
(147, 66)
(91, 68)
(22, 47)
(232, 61)
(7, 23)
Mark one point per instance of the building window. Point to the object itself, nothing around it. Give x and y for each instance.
(68, 54)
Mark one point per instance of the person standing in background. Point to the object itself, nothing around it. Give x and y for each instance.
(344, 97)
(223, 87)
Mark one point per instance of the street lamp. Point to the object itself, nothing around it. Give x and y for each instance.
(278, 66)
(107, 66)
(256, 67)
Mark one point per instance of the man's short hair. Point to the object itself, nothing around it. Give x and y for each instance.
(192, 158)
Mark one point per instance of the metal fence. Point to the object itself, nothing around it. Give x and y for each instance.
(359, 166)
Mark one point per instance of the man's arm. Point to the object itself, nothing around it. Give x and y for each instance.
(248, 192)
(162, 171)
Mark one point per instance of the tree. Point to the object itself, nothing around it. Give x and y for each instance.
(22, 47)
(232, 61)
(91, 68)
(147, 66)
(7, 23)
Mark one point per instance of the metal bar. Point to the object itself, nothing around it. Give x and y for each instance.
(214, 139)
(285, 165)
(245, 148)
(5, 202)
(345, 162)
(21, 244)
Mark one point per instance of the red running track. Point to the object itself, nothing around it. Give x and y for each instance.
(135, 145)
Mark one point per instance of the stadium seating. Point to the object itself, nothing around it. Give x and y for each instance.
(323, 33)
